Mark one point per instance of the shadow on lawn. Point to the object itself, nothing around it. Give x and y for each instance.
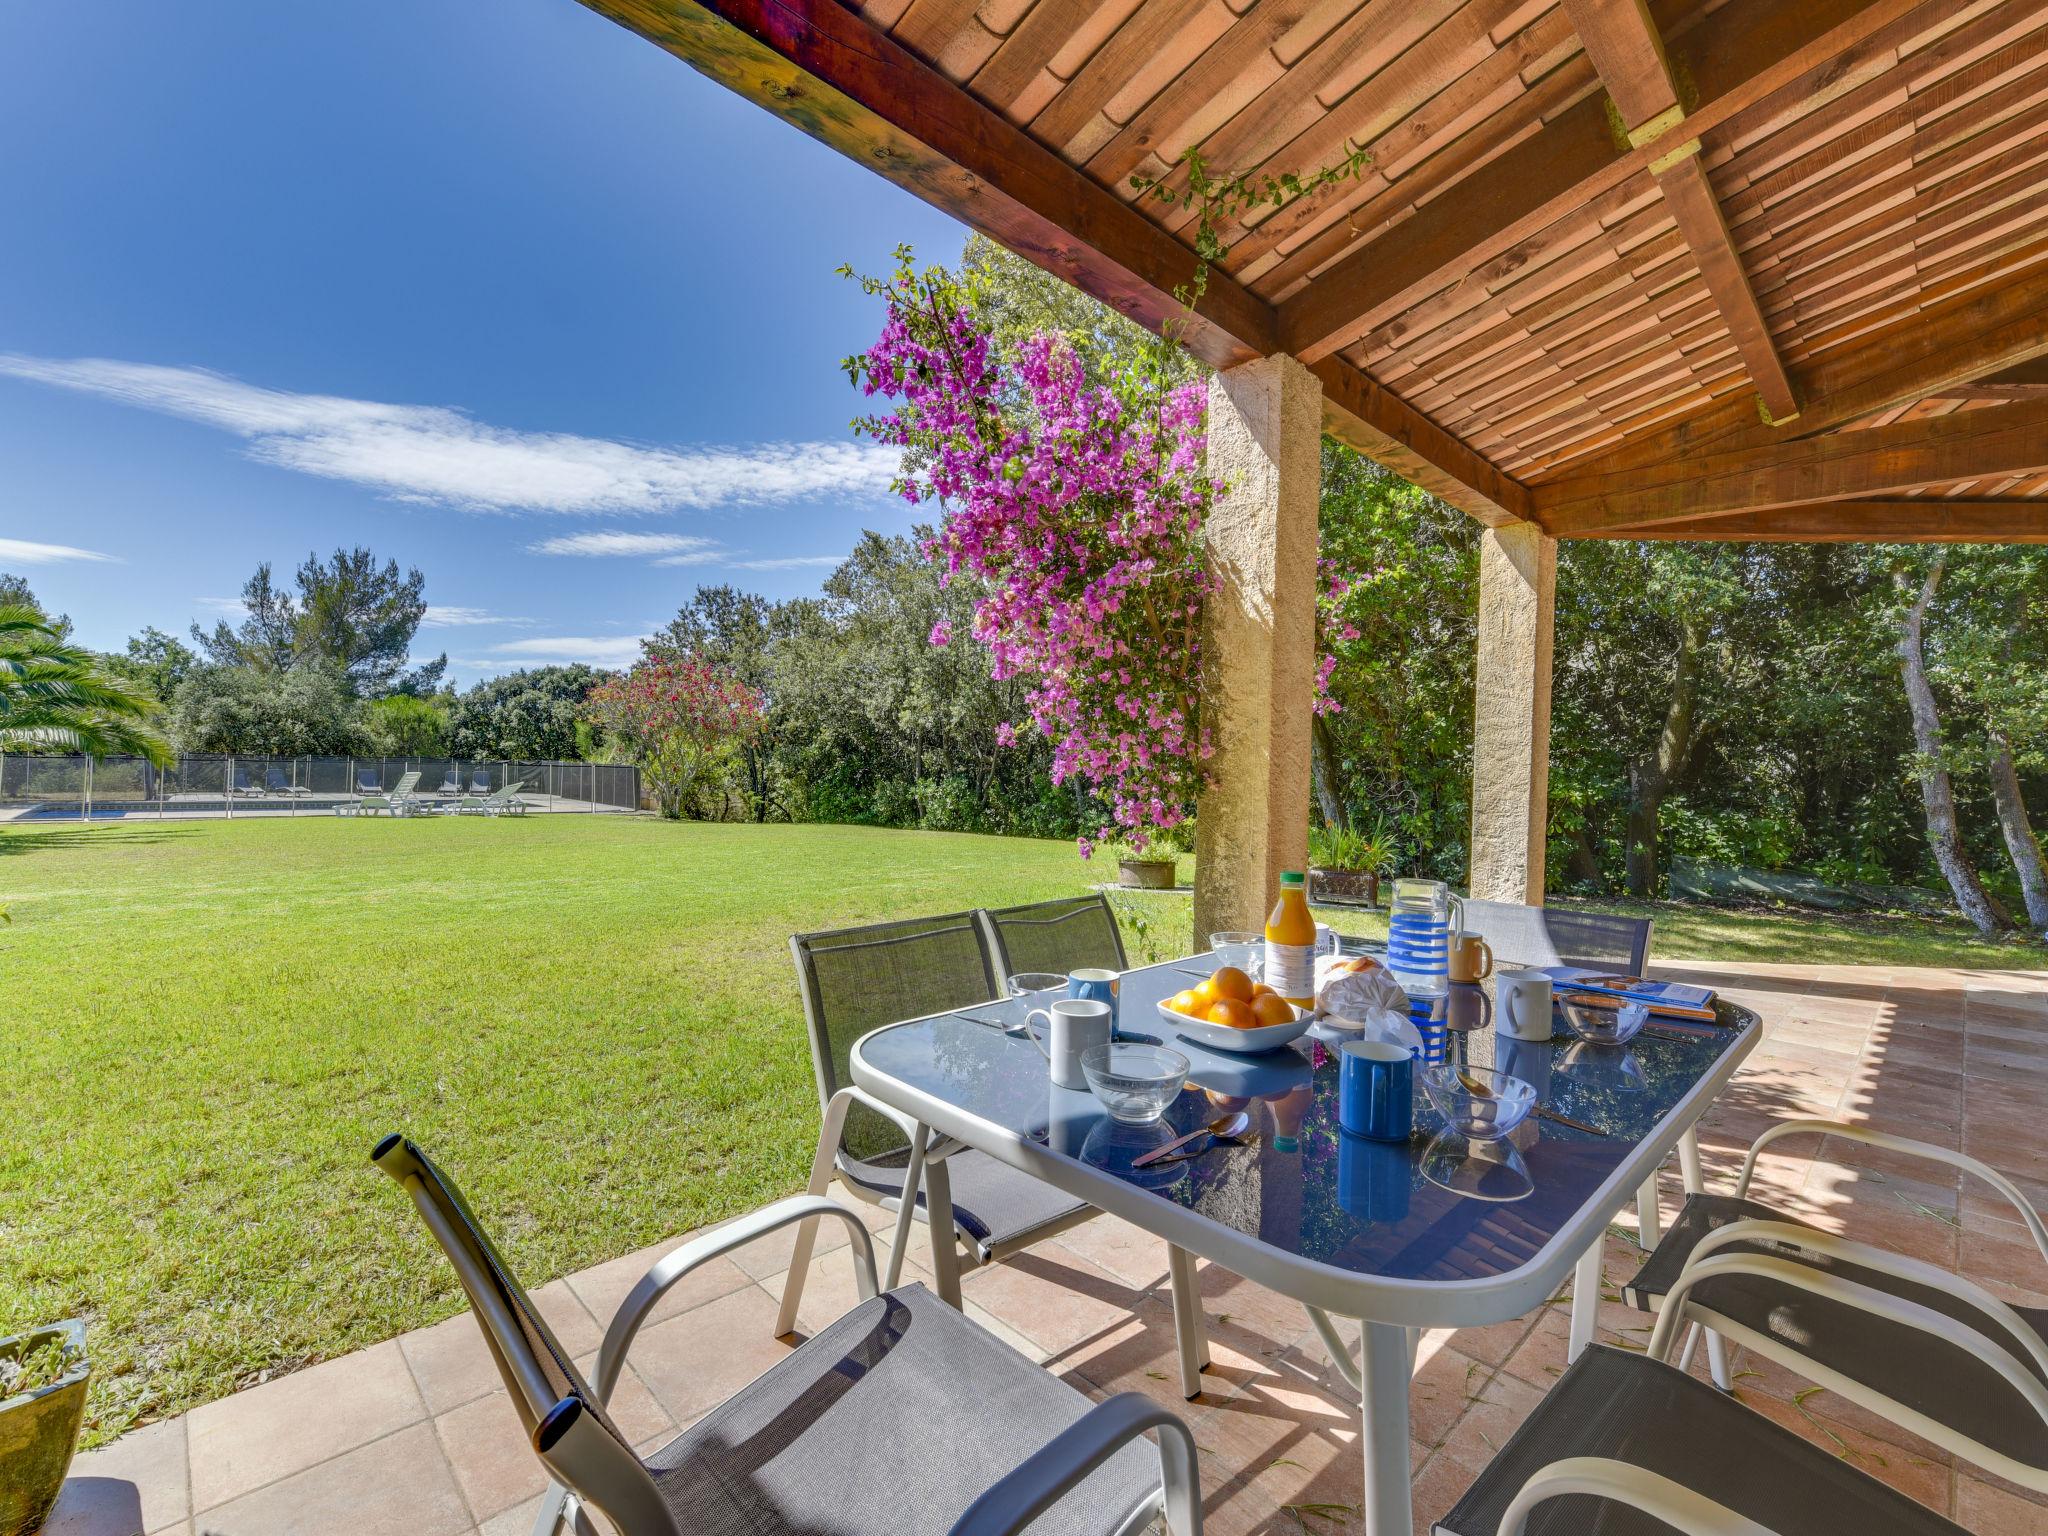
(99, 835)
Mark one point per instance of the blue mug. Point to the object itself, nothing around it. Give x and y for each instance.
(1376, 1089)
(1099, 985)
(1373, 1179)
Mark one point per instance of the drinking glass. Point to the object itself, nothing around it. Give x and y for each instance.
(1243, 950)
(1036, 989)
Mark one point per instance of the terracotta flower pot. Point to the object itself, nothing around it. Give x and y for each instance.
(1145, 874)
(39, 1431)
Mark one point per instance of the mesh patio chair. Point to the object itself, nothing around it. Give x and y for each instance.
(818, 1442)
(855, 980)
(1706, 1217)
(1066, 934)
(1539, 936)
(275, 781)
(1629, 1446)
(367, 782)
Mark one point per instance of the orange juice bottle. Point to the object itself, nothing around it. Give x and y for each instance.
(1291, 943)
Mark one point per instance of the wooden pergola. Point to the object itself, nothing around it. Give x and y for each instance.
(1761, 269)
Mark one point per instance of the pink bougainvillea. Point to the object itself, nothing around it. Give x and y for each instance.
(1080, 508)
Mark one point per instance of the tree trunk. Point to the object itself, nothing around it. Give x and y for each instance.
(2020, 841)
(1322, 759)
(1648, 781)
(1937, 793)
(1583, 865)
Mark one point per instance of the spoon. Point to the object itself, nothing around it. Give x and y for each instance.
(1472, 1085)
(1221, 1127)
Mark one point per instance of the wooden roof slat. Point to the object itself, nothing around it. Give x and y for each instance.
(1855, 464)
(1152, 46)
(1871, 522)
(1747, 50)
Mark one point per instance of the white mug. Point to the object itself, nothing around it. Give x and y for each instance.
(1522, 1005)
(1072, 1025)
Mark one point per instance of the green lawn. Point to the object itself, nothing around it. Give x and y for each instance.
(592, 1020)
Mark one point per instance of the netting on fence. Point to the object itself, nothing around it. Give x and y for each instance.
(1733, 882)
(205, 785)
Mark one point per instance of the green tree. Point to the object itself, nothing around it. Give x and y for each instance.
(405, 725)
(306, 711)
(159, 662)
(348, 614)
(56, 697)
(735, 632)
(530, 715)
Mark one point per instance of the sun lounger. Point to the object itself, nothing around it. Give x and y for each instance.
(503, 802)
(242, 785)
(275, 781)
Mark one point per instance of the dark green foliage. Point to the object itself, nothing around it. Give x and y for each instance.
(530, 715)
(305, 711)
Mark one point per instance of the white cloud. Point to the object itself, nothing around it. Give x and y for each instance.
(28, 552)
(226, 607)
(614, 543)
(551, 650)
(454, 616)
(791, 563)
(436, 454)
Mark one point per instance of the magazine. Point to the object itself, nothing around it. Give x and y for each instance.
(1675, 998)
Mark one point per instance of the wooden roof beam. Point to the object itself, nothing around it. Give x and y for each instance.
(2023, 381)
(1625, 47)
(1495, 217)
(1929, 521)
(819, 65)
(1996, 442)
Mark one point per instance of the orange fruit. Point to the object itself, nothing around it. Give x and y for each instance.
(1186, 1002)
(1260, 989)
(1231, 1013)
(1272, 1009)
(1232, 983)
(1204, 991)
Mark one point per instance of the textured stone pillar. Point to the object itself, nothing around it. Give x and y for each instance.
(1511, 713)
(1258, 638)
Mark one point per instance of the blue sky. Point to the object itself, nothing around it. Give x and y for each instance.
(499, 290)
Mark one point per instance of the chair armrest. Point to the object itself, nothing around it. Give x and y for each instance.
(1693, 1514)
(653, 1285)
(1909, 1148)
(1057, 1467)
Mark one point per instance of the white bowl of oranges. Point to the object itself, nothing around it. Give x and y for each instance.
(1230, 1012)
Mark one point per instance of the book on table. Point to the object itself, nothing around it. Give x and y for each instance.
(1677, 999)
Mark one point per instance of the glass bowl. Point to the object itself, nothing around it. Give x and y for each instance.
(1134, 1082)
(1246, 951)
(1601, 1020)
(1476, 1102)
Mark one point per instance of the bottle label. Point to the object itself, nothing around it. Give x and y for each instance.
(1291, 971)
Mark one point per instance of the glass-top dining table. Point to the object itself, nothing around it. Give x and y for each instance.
(1397, 1237)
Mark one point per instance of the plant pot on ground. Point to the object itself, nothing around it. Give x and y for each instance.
(42, 1402)
(1145, 874)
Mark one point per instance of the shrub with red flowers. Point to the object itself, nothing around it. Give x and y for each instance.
(678, 717)
(1079, 507)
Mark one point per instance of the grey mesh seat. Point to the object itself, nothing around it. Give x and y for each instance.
(1066, 934)
(857, 979)
(1540, 936)
(1635, 1427)
(819, 1443)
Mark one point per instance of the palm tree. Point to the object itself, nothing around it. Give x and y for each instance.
(54, 696)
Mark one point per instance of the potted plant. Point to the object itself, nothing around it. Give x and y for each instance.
(1345, 864)
(1145, 864)
(42, 1402)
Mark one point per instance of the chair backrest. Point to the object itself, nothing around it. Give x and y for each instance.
(1599, 941)
(857, 979)
(407, 784)
(480, 783)
(1068, 933)
(367, 782)
(274, 777)
(564, 1418)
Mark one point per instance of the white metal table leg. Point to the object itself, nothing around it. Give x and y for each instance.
(1689, 1168)
(1689, 1161)
(1384, 1368)
(906, 1208)
(1649, 1224)
(938, 1219)
(1585, 1297)
(1191, 1346)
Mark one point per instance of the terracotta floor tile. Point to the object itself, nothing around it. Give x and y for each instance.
(832, 1289)
(695, 1362)
(1053, 1297)
(1116, 1247)
(489, 1453)
(400, 1485)
(452, 1364)
(284, 1426)
(603, 1289)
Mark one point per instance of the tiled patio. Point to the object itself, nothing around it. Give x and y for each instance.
(415, 1438)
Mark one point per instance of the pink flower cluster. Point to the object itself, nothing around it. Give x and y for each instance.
(1080, 509)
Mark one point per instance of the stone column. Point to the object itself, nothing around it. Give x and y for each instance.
(1258, 638)
(1511, 713)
